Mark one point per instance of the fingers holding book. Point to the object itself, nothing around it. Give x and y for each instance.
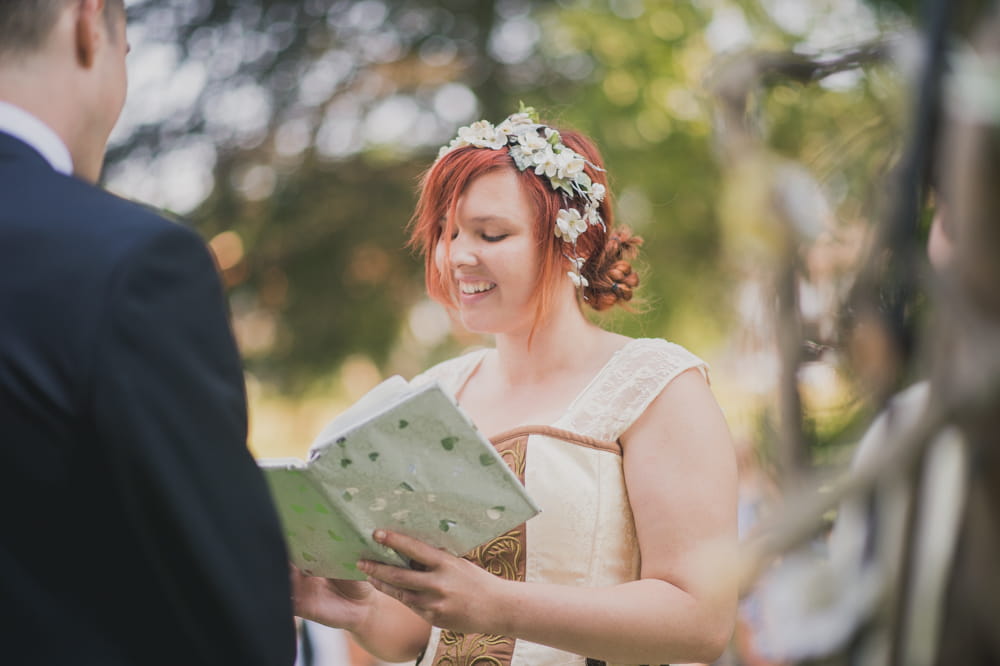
(333, 602)
(445, 590)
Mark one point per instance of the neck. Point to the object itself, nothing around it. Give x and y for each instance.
(21, 84)
(41, 84)
(557, 343)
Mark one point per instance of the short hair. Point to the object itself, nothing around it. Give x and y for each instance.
(607, 249)
(26, 24)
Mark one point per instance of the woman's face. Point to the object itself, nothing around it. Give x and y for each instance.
(493, 258)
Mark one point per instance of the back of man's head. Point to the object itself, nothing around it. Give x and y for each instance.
(26, 24)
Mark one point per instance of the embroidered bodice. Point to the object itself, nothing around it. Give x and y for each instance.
(585, 534)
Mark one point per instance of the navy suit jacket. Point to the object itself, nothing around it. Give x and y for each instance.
(135, 527)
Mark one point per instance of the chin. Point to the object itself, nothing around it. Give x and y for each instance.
(478, 325)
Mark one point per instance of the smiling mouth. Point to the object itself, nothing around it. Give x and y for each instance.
(475, 287)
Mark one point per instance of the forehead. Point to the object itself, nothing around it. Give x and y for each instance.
(497, 193)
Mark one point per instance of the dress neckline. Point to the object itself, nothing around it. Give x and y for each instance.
(481, 356)
(594, 380)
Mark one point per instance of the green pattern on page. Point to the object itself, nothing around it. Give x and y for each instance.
(448, 443)
(446, 525)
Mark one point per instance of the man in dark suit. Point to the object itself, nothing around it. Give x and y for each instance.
(135, 527)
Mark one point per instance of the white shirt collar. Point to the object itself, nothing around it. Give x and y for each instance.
(19, 123)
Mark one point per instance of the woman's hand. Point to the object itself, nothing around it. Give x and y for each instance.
(335, 603)
(444, 590)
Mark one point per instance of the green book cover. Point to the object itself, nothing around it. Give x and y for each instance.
(402, 458)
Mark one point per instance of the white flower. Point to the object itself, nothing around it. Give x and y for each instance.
(569, 225)
(546, 163)
(521, 161)
(570, 164)
(531, 143)
(591, 214)
(540, 148)
(515, 122)
(578, 263)
(505, 128)
(577, 279)
(482, 134)
(457, 142)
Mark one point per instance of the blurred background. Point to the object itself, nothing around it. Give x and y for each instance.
(754, 144)
(292, 135)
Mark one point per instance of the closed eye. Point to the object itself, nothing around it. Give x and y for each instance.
(494, 239)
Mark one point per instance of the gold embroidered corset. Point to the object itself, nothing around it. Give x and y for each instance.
(585, 534)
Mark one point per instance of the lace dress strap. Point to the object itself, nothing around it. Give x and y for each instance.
(453, 373)
(626, 385)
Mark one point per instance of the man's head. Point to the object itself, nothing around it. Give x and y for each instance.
(64, 62)
(26, 24)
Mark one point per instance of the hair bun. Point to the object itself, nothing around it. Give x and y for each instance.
(612, 279)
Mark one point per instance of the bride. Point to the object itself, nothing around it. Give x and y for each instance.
(631, 462)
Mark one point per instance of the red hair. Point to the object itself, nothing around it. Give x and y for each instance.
(446, 180)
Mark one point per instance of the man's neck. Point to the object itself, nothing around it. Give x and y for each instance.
(26, 126)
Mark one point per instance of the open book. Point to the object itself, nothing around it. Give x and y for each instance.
(401, 458)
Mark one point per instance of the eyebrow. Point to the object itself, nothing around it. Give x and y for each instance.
(478, 219)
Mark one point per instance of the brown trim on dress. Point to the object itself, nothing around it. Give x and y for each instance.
(506, 557)
(557, 433)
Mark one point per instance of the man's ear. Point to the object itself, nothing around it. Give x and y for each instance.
(89, 30)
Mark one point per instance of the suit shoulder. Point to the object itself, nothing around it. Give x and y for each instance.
(110, 226)
(108, 211)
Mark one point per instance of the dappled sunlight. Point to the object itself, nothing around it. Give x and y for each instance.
(756, 146)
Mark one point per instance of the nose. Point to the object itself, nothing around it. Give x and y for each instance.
(462, 251)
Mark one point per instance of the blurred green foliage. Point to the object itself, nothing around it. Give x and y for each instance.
(318, 116)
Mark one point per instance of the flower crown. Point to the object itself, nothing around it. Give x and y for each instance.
(535, 146)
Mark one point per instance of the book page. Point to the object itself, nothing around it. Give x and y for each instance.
(414, 464)
(370, 404)
(422, 469)
(321, 541)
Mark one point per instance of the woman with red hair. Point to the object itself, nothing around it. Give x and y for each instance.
(627, 452)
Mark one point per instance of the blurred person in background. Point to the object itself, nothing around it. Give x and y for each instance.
(823, 599)
(627, 562)
(136, 527)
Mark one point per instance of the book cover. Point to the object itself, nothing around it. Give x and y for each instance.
(405, 459)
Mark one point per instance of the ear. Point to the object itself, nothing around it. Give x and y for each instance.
(89, 31)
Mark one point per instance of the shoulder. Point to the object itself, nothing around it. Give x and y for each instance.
(117, 237)
(660, 359)
(451, 374)
(678, 404)
(123, 225)
(634, 377)
(61, 230)
(69, 219)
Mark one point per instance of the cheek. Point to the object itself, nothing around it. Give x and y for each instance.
(440, 258)
(443, 265)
